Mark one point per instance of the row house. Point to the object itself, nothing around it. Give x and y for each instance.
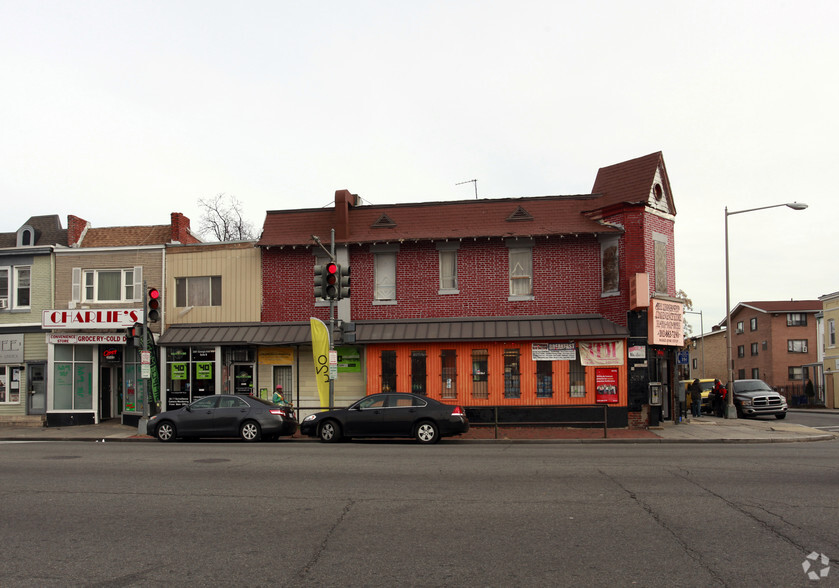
(830, 356)
(93, 368)
(26, 290)
(527, 305)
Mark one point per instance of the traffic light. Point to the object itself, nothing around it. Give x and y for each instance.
(153, 306)
(135, 334)
(344, 281)
(320, 274)
(331, 281)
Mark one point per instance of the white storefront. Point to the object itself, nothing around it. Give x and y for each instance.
(94, 367)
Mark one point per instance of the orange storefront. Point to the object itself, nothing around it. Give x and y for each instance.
(522, 373)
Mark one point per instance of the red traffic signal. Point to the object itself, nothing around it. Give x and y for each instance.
(331, 281)
(153, 305)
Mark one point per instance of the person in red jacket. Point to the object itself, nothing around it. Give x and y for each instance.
(718, 397)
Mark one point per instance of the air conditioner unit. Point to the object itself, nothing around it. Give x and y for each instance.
(4, 303)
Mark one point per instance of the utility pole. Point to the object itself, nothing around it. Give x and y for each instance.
(332, 325)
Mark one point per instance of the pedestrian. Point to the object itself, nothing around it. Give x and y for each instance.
(719, 394)
(278, 396)
(695, 398)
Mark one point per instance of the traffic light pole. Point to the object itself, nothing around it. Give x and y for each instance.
(332, 322)
(141, 427)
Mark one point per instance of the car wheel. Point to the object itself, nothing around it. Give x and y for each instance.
(426, 432)
(781, 415)
(330, 432)
(165, 431)
(250, 431)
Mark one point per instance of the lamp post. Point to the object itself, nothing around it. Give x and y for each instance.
(730, 411)
(702, 334)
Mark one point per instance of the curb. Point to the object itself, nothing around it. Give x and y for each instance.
(808, 439)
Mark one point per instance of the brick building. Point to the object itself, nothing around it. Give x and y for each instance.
(537, 302)
(777, 342)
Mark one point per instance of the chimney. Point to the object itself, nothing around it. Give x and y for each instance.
(76, 228)
(180, 229)
(343, 201)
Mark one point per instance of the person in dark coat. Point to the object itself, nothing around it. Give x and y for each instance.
(695, 398)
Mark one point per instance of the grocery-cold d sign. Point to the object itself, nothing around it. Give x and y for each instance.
(91, 319)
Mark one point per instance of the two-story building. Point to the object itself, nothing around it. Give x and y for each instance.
(101, 278)
(537, 302)
(214, 341)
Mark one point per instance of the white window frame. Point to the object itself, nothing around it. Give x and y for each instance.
(831, 333)
(384, 273)
(87, 289)
(797, 346)
(520, 269)
(16, 286)
(186, 280)
(447, 261)
(7, 296)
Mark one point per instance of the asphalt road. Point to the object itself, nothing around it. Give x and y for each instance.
(399, 514)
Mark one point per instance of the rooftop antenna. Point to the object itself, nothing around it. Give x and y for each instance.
(472, 181)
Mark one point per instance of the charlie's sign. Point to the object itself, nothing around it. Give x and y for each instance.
(91, 319)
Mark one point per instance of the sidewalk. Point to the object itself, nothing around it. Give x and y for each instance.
(705, 429)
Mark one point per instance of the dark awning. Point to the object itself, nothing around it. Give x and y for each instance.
(590, 326)
(238, 334)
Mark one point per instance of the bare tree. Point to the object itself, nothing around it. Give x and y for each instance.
(682, 295)
(222, 218)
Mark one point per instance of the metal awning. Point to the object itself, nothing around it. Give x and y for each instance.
(237, 334)
(592, 326)
(535, 328)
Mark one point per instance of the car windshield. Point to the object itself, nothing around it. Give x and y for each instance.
(706, 386)
(756, 386)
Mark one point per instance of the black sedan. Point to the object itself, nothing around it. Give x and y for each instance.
(224, 415)
(388, 415)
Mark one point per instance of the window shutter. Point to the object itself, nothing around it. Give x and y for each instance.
(138, 282)
(76, 293)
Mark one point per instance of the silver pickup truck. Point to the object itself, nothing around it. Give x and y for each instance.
(756, 398)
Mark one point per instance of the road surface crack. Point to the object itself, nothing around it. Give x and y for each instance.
(323, 544)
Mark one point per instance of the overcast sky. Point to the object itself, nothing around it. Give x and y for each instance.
(122, 112)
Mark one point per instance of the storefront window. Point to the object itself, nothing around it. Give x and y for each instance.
(512, 374)
(418, 372)
(73, 377)
(449, 371)
(133, 396)
(544, 379)
(177, 377)
(480, 363)
(577, 376)
(9, 384)
(203, 372)
(388, 370)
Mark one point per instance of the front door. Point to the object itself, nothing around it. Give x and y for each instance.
(243, 378)
(106, 390)
(37, 396)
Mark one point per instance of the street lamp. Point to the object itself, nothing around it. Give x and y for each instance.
(730, 411)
